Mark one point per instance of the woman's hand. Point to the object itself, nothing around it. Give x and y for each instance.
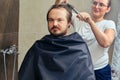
(84, 16)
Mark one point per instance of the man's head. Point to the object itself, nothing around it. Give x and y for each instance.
(60, 1)
(59, 19)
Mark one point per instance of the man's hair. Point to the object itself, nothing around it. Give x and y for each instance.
(65, 6)
(109, 3)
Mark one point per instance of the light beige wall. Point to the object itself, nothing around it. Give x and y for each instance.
(32, 23)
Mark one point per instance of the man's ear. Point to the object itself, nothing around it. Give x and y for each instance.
(108, 9)
(69, 24)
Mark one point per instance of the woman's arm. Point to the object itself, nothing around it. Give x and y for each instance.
(105, 38)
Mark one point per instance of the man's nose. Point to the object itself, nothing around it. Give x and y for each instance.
(55, 23)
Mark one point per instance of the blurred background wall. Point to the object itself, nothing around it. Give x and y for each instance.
(33, 24)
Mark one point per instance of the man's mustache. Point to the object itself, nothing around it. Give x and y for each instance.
(55, 27)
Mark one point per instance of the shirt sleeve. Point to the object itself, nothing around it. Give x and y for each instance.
(111, 24)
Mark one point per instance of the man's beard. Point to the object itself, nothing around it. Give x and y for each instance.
(54, 33)
(58, 34)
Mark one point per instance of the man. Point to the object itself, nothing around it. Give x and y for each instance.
(58, 56)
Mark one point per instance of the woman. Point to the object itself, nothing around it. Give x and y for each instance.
(99, 34)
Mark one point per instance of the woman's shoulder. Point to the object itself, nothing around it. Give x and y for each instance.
(109, 21)
(110, 24)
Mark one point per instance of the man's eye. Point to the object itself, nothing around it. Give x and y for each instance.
(101, 4)
(50, 19)
(60, 20)
(95, 3)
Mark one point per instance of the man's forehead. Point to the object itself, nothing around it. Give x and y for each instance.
(61, 11)
(57, 9)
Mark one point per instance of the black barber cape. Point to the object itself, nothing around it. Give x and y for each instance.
(58, 58)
